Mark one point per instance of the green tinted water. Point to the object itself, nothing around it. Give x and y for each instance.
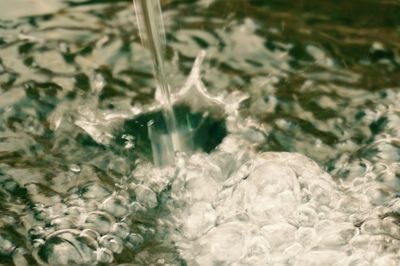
(322, 80)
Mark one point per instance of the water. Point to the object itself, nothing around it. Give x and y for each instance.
(151, 29)
(285, 81)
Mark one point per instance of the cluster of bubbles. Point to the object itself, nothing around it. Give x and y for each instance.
(236, 207)
(89, 225)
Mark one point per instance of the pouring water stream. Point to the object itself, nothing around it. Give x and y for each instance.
(152, 34)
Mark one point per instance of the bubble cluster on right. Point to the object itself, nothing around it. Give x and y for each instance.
(240, 207)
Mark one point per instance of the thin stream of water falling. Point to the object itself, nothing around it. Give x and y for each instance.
(152, 33)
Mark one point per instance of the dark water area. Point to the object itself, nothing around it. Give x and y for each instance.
(322, 78)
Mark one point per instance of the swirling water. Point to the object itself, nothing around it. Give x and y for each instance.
(320, 79)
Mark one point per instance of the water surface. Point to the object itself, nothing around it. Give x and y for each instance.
(321, 79)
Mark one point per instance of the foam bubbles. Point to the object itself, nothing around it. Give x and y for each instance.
(112, 243)
(281, 209)
(145, 196)
(118, 206)
(65, 248)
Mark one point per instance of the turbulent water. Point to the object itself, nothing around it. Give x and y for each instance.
(305, 172)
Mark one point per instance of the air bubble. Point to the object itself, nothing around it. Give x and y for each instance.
(112, 243)
(120, 229)
(104, 255)
(134, 241)
(99, 221)
(146, 196)
(94, 191)
(225, 243)
(64, 248)
(306, 216)
(117, 206)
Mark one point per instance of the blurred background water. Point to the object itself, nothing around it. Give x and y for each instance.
(321, 78)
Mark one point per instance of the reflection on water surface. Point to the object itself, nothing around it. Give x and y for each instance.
(321, 79)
